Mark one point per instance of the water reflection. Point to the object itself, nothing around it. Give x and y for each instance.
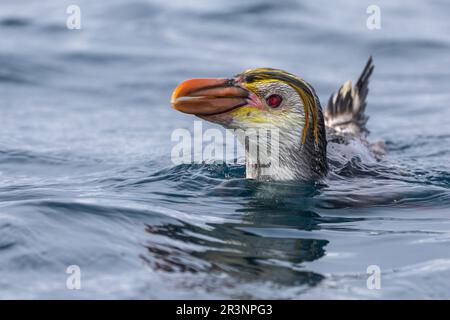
(271, 242)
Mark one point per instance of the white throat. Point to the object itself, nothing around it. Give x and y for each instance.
(266, 158)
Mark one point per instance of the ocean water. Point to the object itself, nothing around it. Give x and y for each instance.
(86, 176)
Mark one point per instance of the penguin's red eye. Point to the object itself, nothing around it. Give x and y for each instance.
(274, 100)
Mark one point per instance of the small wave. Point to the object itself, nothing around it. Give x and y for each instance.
(15, 22)
(17, 69)
(190, 176)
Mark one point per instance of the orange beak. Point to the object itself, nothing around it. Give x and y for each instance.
(204, 97)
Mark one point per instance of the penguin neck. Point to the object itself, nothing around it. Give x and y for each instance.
(284, 158)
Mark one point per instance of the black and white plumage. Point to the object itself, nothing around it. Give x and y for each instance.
(345, 111)
(346, 120)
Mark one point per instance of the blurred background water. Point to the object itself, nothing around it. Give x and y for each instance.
(86, 177)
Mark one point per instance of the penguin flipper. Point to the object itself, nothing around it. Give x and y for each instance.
(345, 111)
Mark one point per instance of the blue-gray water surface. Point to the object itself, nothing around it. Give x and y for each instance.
(86, 176)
